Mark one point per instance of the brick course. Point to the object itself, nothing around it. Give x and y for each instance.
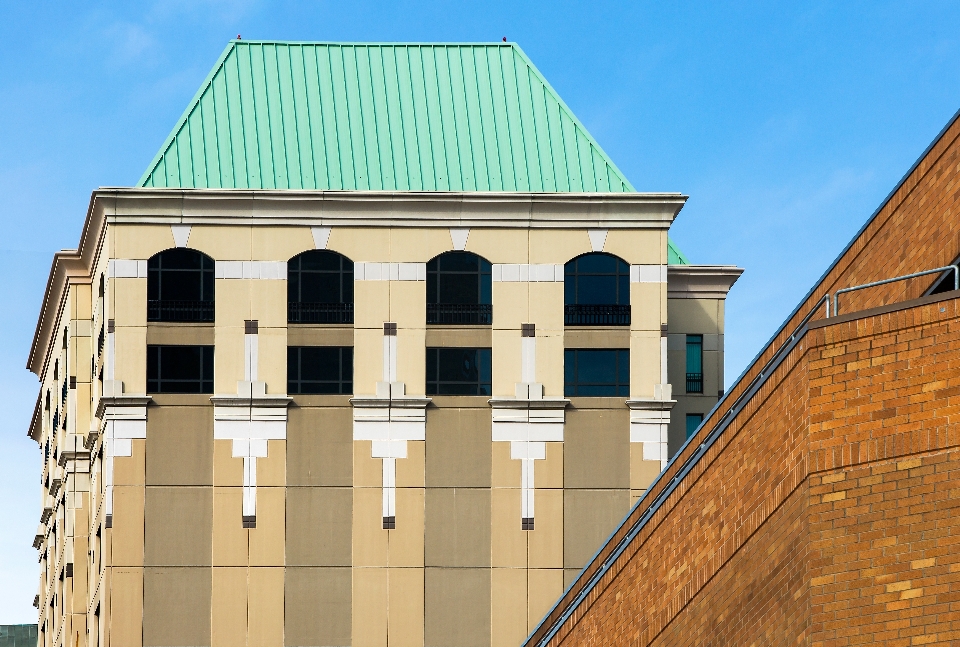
(826, 512)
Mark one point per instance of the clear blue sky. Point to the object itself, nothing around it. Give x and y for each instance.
(786, 126)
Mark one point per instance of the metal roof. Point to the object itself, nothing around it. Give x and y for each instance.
(381, 116)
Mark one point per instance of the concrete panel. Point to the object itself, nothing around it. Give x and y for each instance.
(545, 543)
(140, 241)
(265, 608)
(506, 360)
(178, 526)
(320, 446)
(272, 353)
(500, 245)
(418, 245)
(599, 337)
(227, 469)
(646, 313)
(695, 316)
(456, 607)
(405, 542)
(228, 607)
(267, 539)
(319, 335)
(272, 469)
(317, 605)
(280, 243)
(508, 609)
(638, 246)
(569, 576)
(129, 302)
(511, 305)
(589, 516)
(131, 367)
(544, 586)
(319, 526)
(597, 448)
(508, 540)
(368, 355)
(194, 334)
(550, 362)
(459, 336)
(126, 546)
(642, 472)
(223, 243)
(459, 447)
(370, 604)
(557, 245)
(546, 303)
(176, 606)
(548, 473)
(457, 528)
(367, 471)
(405, 612)
(360, 243)
(371, 304)
(125, 605)
(131, 470)
(644, 363)
(411, 357)
(369, 537)
(411, 470)
(230, 539)
(179, 446)
(505, 471)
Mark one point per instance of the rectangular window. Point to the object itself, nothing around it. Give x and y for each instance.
(596, 372)
(179, 369)
(458, 371)
(694, 363)
(693, 421)
(320, 370)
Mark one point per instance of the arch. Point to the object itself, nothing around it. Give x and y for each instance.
(459, 289)
(596, 291)
(320, 288)
(180, 286)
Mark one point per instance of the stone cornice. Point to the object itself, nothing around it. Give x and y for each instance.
(520, 403)
(701, 281)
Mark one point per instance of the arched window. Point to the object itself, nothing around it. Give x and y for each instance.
(320, 288)
(180, 286)
(458, 289)
(596, 291)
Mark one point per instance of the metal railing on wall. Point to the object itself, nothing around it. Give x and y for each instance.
(596, 315)
(460, 313)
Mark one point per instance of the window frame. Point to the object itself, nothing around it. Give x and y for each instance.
(618, 388)
(202, 310)
(205, 381)
(694, 351)
(483, 361)
(690, 417)
(576, 313)
(345, 370)
(441, 312)
(320, 312)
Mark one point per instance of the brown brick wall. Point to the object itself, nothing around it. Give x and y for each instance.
(815, 518)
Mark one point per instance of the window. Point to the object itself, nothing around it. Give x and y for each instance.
(458, 371)
(320, 288)
(458, 289)
(596, 372)
(694, 363)
(693, 421)
(180, 286)
(319, 369)
(179, 369)
(596, 291)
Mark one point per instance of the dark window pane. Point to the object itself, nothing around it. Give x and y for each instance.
(459, 289)
(180, 369)
(458, 371)
(596, 372)
(596, 291)
(320, 288)
(180, 286)
(693, 421)
(320, 370)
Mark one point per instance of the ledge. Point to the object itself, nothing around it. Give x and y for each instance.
(402, 402)
(649, 404)
(701, 281)
(121, 401)
(255, 401)
(517, 403)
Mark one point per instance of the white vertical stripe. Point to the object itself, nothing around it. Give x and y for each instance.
(663, 360)
(528, 361)
(250, 357)
(389, 487)
(527, 487)
(389, 358)
(249, 486)
(109, 361)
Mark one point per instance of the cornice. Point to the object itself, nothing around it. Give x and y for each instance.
(701, 281)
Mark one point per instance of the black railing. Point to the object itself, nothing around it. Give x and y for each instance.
(319, 313)
(169, 310)
(596, 315)
(460, 313)
(694, 382)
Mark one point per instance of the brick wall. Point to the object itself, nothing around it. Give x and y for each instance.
(762, 542)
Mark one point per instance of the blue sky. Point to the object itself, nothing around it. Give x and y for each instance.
(786, 126)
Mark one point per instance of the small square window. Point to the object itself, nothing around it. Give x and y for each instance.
(458, 371)
(693, 422)
(320, 370)
(179, 369)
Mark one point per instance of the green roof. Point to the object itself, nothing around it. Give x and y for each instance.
(381, 116)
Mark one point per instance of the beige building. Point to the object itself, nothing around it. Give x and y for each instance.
(379, 351)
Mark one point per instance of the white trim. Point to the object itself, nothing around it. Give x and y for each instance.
(648, 273)
(121, 268)
(321, 236)
(527, 272)
(598, 238)
(272, 270)
(373, 271)
(459, 238)
(181, 234)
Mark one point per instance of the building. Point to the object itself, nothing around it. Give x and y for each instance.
(378, 350)
(817, 504)
(18, 635)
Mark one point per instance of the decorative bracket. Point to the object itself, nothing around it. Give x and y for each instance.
(123, 418)
(650, 422)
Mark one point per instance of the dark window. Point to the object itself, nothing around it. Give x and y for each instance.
(596, 291)
(693, 421)
(319, 369)
(458, 371)
(179, 369)
(320, 288)
(180, 286)
(694, 363)
(458, 289)
(596, 372)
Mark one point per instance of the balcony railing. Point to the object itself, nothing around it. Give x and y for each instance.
(596, 315)
(170, 310)
(694, 382)
(319, 313)
(460, 313)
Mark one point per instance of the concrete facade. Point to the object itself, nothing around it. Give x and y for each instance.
(255, 516)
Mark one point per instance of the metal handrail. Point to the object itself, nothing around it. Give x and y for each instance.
(670, 488)
(945, 268)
